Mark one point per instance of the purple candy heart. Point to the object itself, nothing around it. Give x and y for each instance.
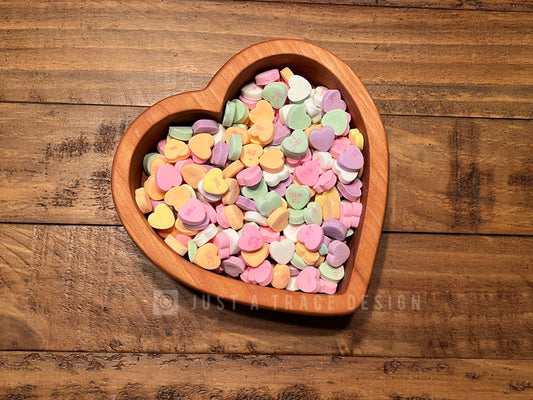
(332, 100)
(281, 187)
(245, 204)
(233, 266)
(281, 132)
(335, 229)
(351, 191)
(205, 126)
(322, 139)
(219, 155)
(338, 253)
(351, 159)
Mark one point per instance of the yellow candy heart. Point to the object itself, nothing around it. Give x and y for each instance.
(162, 217)
(214, 182)
(272, 161)
(201, 145)
(262, 111)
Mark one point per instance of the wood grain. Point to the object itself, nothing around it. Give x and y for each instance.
(454, 63)
(252, 377)
(479, 5)
(430, 296)
(469, 175)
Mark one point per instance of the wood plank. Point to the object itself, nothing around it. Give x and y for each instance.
(430, 296)
(167, 376)
(458, 171)
(479, 5)
(459, 63)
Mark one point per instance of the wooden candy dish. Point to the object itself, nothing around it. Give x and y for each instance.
(320, 67)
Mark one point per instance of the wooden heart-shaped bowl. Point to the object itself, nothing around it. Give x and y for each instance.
(320, 67)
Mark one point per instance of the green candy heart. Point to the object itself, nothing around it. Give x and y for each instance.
(235, 147)
(296, 145)
(241, 112)
(313, 213)
(192, 248)
(255, 192)
(337, 120)
(275, 93)
(323, 250)
(330, 273)
(296, 217)
(268, 203)
(297, 117)
(298, 261)
(180, 132)
(147, 161)
(298, 196)
(229, 114)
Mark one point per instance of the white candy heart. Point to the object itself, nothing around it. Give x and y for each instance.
(274, 179)
(233, 237)
(219, 136)
(318, 94)
(299, 88)
(324, 159)
(254, 216)
(206, 235)
(344, 176)
(284, 111)
(291, 231)
(292, 286)
(311, 108)
(252, 91)
(282, 251)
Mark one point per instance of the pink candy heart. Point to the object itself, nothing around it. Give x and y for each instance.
(307, 173)
(192, 212)
(308, 280)
(251, 239)
(262, 274)
(311, 236)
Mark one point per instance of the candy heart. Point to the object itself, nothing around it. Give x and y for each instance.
(282, 251)
(262, 111)
(322, 139)
(254, 258)
(331, 273)
(250, 176)
(326, 181)
(167, 177)
(297, 196)
(192, 212)
(201, 144)
(250, 154)
(266, 77)
(256, 191)
(332, 101)
(338, 253)
(299, 88)
(272, 161)
(337, 120)
(343, 175)
(324, 159)
(307, 280)
(262, 274)
(311, 236)
(233, 266)
(281, 276)
(268, 203)
(275, 93)
(262, 131)
(307, 173)
(251, 239)
(281, 187)
(207, 256)
(296, 145)
(313, 213)
(351, 159)
(214, 182)
(281, 132)
(297, 117)
(177, 196)
(162, 217)
(351, 191)
(205, 126)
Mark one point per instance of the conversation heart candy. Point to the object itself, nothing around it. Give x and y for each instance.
(351, 159)
(262, 112)
(337, 120)
(330, 273)
(322, 138)
(351, 191)
(275, 93)
(214, 182)
(268, 203)
(331, 100)
(311, 236)
(296, 145)
(298, 196)
(251, 239)
(162, 217)
(307, 280)
(272, 161)
(192, 212)
(205, 126)
(207, 256)
(282, 251)
(299, 88)
(281, 276)
(338, 253)
(262, 274)
(254, 258)
(307, 173)
(334, 229)
(297, 117)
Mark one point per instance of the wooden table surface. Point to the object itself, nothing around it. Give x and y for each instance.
(449, 311)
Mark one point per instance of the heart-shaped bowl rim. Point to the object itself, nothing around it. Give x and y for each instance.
(320, 67)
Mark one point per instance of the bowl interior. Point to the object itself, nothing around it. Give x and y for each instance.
(186, 108)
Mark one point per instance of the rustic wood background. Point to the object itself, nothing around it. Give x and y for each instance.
(453, 80)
